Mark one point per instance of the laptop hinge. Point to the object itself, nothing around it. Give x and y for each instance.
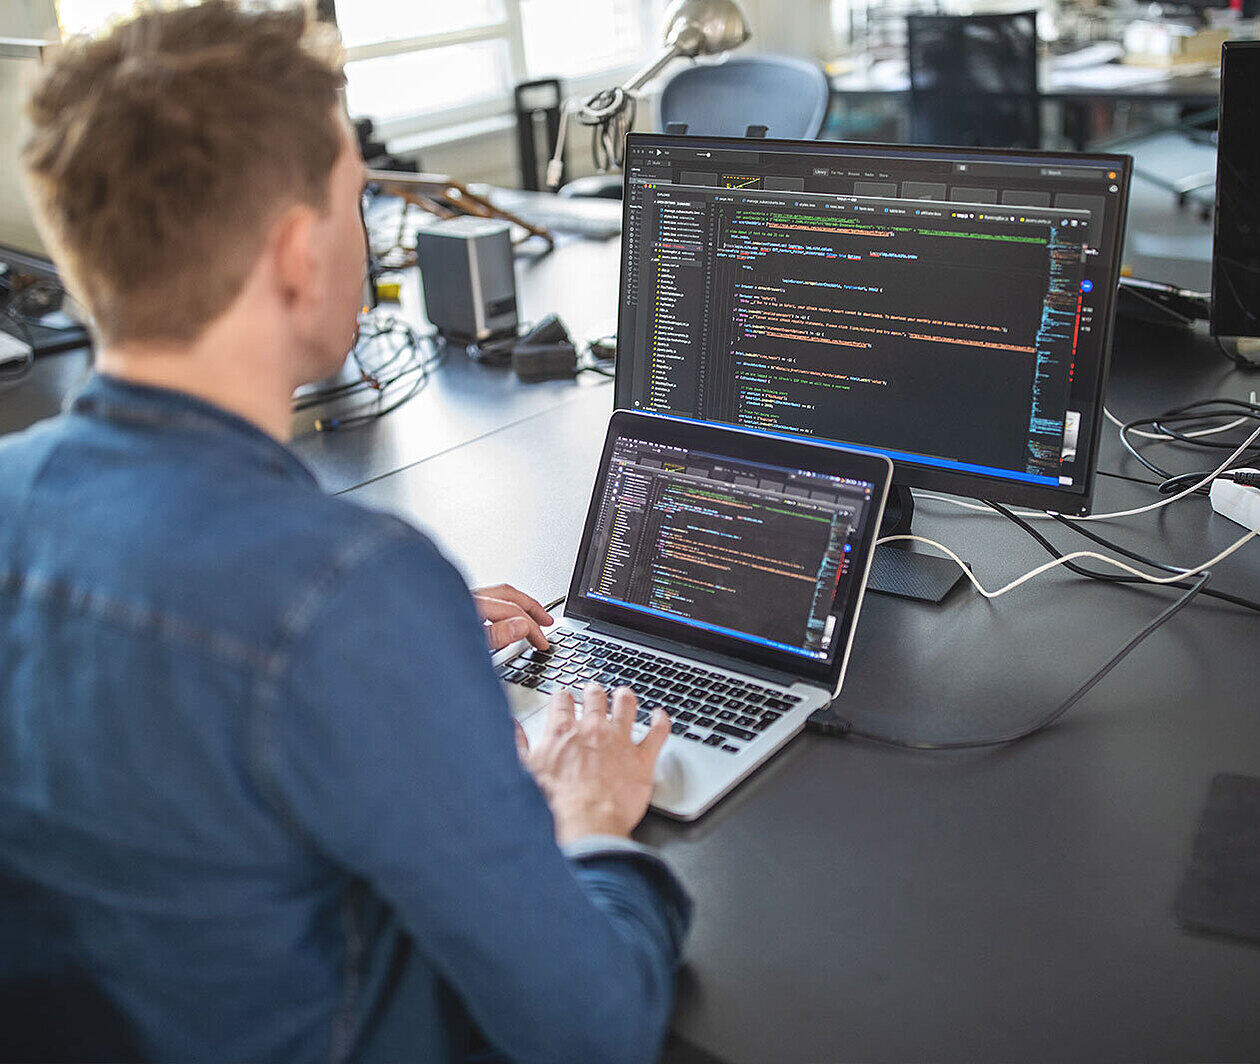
(722, 661)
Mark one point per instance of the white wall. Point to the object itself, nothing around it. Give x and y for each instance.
(35, 19)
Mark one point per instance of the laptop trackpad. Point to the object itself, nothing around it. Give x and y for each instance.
(525, 703)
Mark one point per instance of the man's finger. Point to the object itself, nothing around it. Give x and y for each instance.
(624, 705)
(493, 609)
(656, 735)
(507, 593)
(594, 706)
(560, 712)
(501, 633)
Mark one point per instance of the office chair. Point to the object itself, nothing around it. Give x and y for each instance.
(973, 80)
(787, 96)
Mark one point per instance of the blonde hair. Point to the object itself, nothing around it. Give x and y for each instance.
(160, 152)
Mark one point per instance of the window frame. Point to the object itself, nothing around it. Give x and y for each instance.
(509, 28)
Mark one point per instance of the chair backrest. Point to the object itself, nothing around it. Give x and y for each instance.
(973, 80)
(787, 96)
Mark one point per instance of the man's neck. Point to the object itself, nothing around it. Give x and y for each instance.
(212, 368)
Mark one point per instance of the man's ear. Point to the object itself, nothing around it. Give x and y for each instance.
(292, 248)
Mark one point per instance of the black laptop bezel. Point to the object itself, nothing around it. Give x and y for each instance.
(739, 445)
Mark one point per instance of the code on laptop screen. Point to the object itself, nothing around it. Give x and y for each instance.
(743, 549)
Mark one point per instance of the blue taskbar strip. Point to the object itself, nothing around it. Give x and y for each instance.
(896, 456)
(705, 625)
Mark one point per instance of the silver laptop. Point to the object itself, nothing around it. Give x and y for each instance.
(720, 577)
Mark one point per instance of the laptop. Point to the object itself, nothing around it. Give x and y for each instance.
(720, 577)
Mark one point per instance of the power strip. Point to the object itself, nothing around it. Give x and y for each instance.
(1237, 501)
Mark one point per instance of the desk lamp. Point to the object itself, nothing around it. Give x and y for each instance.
(692, 28)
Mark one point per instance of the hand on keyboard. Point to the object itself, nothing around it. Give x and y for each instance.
(510, 615)
(595, 777)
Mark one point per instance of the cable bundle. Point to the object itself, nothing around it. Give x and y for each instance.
(393, 363)
(1195, 424)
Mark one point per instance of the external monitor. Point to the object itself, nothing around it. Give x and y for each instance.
(950, 308)
(1236, 248)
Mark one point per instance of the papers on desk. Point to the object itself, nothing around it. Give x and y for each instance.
(889, 74)
(1107, 76)
(1091, 55)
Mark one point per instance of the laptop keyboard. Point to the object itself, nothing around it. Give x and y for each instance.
(712, 708)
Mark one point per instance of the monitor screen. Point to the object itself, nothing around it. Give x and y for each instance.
(949, 308)
(743, 549)
(1236, 244)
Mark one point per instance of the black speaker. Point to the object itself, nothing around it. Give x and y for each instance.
(1236, 247)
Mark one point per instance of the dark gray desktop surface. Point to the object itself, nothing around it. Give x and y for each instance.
(862, 903)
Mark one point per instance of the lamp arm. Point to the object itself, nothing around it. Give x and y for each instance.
(647, 73)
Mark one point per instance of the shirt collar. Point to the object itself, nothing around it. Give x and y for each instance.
(114, 399)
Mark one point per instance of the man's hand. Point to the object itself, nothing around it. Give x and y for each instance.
(510, 615)
(596, 779)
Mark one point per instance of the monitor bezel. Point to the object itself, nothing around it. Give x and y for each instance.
(1074, 500)
(797, 452)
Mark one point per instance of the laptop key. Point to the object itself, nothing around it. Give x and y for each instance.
(714, 740)
(745, 722)
(730, 748)
(704, 722)
(734, 732)
(686, 715)
(725, 714)
(692, 736)
(677, 728)
(770, 715)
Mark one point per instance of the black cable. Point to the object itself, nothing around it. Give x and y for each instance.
(394, 362)
(1177, 423)
(1055, 714)
(1131, 480)
(1116, 578)
(1244, 364)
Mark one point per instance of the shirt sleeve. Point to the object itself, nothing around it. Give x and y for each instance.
(387, 741)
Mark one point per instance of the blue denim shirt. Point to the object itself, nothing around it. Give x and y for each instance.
(258, 783)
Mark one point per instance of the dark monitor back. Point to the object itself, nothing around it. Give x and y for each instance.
(949, 308)
(1236, 250)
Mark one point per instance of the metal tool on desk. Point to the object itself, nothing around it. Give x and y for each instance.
(446, 197)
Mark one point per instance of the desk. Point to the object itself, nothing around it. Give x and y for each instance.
(1069, 88)
(861, 903)
(1075, 86)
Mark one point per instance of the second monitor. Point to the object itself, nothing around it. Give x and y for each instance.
(950, 308)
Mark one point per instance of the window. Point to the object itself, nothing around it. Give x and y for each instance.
(415, 66)
(419, 65)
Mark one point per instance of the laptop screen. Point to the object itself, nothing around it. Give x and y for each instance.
(747, 550)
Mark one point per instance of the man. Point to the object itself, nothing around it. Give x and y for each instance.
(259, 790)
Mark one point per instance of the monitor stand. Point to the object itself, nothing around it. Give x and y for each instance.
(896, 570)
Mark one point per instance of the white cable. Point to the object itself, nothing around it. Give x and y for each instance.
(1172, 498)
(1190, 435)
(1070, 558)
